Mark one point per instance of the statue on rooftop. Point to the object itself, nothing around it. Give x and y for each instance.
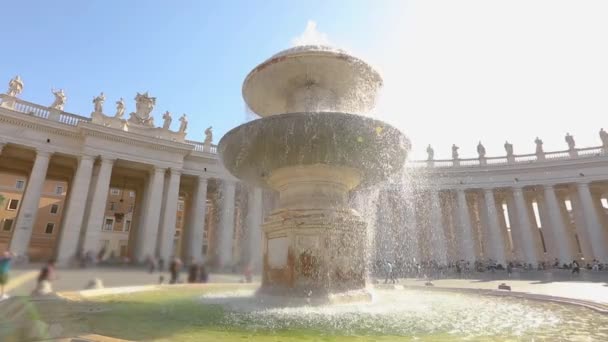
(570, 141)
(60, 99)
(183, 123)
(144, 104)
(208, 135)
(509, 148)
(167, 120)
(455, 151)
(430, 152)
(120, 108)
(604, 137)
(98, 102)
(539, 146)
(15, 86)
(481, 151)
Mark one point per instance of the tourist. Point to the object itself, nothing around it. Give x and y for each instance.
(203, 275)
(193, 271)
(5, 267)
(247, 273)
(151, 264)
(174, 268)
(46, 275)
(509, 268)
(389, 273)
(575, 267)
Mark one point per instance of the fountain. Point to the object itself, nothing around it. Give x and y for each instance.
(313, 146)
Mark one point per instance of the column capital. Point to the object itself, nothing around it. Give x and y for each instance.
(175, 171)
(488, 190)
(582, 183)
(107, 159)
(203, 179)
(43, 153)
(86, 157)
(159, 169)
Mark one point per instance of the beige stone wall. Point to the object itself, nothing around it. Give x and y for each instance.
(53, 199)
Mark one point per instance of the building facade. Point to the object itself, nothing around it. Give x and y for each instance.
(128, 187)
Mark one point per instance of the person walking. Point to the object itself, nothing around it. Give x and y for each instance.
(389, 273)
(174, 268)
(5, 267)
(46, 275)
(193, 271)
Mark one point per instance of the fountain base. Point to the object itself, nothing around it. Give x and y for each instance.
(315, 254)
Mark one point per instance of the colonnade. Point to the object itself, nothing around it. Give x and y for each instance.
(524, 223)
(86, 201)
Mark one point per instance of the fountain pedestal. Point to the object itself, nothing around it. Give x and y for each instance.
(314, 245)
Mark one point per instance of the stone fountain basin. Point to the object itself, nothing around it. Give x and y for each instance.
(311, 78)
(254, 150)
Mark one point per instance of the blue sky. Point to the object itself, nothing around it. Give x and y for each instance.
(191, 55)
(455, 71)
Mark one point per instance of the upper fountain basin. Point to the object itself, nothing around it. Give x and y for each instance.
(254, 150)
(312, 78)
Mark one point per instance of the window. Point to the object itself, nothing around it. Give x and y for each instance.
(20, 184)
(112, 206)
(54, 208)
(59, 190)
(13, 204)
(180, 206)
(108, 224)
(7, 225)
(177, 233)
(132, 194)
(178, 221)
(49, 228)
(131, 208)
(115, 192)
(604, 203)
(127, 225)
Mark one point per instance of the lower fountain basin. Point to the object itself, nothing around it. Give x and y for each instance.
(252, 151)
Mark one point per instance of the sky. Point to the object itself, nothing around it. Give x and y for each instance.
(455, 71)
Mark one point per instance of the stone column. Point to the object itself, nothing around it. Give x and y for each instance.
(74, 212)
(169, 215)
(594, 230)
(196, 221)
(558, 229)
(254, 228)
(97, 209)
(525, 227)
(29, 204)
(464, 226)
(438, 240)
(148, 232)
(226, 226)
(497, 244)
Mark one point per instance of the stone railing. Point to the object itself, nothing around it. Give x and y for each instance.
(514, 159)
(66, 118)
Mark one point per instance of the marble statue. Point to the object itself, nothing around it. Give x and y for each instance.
(60, 99)
(120, 108)
(509, 148)
(167, 120)
(144, 104)
(208, 135)
(15, 86)
(98, 102)
(183, 123)
(539, 145)
(604, 137)
(481, 150)
(455, 151)
(570, 141)
(430, 153)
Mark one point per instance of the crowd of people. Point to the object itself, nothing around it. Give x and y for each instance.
(401, 268)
